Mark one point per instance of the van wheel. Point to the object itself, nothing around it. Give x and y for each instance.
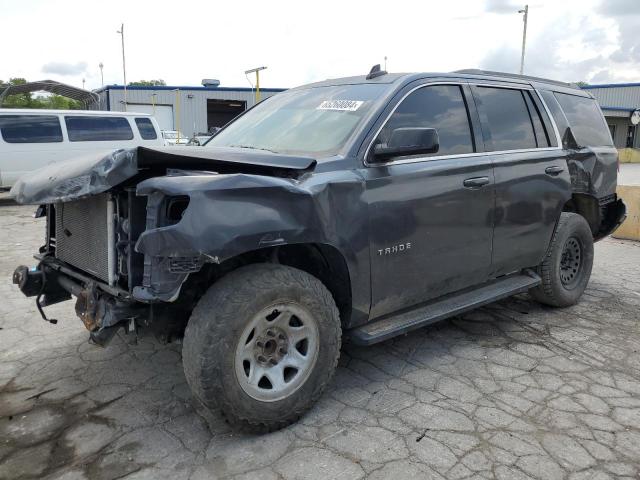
(566, 269)
(262, 344)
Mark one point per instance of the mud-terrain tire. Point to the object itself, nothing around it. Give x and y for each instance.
(256, 322)
(566, 269)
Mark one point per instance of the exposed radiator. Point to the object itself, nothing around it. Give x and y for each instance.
(82, 235)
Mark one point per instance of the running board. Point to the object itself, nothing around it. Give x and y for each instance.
(442, 308)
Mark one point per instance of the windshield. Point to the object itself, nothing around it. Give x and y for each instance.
(315, 121)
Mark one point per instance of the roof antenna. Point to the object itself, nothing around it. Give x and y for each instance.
(376, 71)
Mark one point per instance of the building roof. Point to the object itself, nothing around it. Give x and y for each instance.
(51, 86)
(610, 85)
(43, 111)
(186, 88)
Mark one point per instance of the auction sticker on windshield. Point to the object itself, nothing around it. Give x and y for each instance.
(341, 105)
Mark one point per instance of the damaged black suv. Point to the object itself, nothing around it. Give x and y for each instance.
(357, 208)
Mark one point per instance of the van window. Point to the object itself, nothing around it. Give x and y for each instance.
(92, 128)
(441, 107)
(30, 128)
(585, 118)
(145, 127)
(508, 118)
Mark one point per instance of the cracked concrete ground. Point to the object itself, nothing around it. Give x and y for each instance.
(511, 391)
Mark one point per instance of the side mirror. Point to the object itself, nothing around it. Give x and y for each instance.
(407, 141)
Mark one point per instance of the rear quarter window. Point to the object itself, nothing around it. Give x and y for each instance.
(586, 120)
(30, 128)
(96, 129)
(145, 127)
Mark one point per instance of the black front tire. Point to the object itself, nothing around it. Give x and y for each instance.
(566, 269)
(216, 329)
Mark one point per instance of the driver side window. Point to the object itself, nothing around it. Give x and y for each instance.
(441, 107)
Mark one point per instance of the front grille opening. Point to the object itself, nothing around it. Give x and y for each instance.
(174, 209)
(81, 235)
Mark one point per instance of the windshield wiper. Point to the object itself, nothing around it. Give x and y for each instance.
(252, 148)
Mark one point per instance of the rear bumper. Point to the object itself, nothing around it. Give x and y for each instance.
(612, 217)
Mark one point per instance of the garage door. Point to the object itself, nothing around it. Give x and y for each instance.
(163, 113)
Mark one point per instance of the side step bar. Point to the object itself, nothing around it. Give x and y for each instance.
(448, 306)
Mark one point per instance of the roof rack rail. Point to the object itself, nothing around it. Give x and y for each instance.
(477, 71)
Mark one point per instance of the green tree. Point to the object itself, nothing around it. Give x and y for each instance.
(28, 100)
(148, 83)
(21, 100)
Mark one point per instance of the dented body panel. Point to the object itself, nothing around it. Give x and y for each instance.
(232, 214)
(96, 173)
(594, 171)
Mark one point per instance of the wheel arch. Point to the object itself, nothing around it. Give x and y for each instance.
(321, 260)
(588, 207)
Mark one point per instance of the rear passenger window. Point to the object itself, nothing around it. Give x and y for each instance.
(145, 127)
(586, 120)
(542, 139)
(508, 117)
(92, 128)
(441, 107)
(30, 129)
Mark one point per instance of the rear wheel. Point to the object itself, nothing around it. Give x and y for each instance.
(566, 269)
(261, 345)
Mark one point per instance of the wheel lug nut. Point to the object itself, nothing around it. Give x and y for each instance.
(271, 333)
(261, 358)
(283, 351)
(272, 362)
(260, 343)
(281, 336)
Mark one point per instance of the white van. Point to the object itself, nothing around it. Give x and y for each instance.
(30, 139)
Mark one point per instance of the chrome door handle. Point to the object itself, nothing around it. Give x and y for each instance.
(476, 182)
(553, 170)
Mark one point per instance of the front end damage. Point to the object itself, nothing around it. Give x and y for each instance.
(122, 233)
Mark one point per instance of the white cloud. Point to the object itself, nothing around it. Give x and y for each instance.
(302, 42)
(64, 69)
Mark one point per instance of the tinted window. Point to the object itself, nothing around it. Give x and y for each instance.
(544, 116)
(508, 118)
(30, 129)
(441, 107)
(542, 139)
(556, 112)
(145, 127)
(90, 128)
(585, 118)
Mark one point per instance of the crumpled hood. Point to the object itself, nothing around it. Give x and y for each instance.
(96, 173)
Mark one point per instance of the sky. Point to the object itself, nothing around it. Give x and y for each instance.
(182, 42)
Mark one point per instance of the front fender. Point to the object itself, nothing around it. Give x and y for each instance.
(232, 214)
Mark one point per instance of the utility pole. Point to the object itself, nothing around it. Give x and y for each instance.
(385, 63)
(524, 35)
(101, 74)
(83, 83)
(257, 70)
(177, 122)
(124, 66)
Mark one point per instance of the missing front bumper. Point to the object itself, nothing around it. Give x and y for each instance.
(101, 312)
